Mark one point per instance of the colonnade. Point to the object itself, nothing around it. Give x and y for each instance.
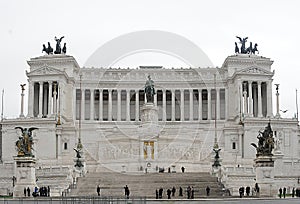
(174, 104)
(256, 98)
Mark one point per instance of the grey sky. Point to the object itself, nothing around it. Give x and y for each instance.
(86, 25)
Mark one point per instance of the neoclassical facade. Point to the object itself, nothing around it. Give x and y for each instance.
(195, 108)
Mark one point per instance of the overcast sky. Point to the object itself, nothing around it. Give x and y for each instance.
(211, 24)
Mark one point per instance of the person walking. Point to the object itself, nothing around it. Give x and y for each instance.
(25, 191)
(28, 191)
(207, 190)
(169, 193)
(98, 190)
(173, 191)
(180, 191)
(284, 192)
(127, 192)
(280, 192)
(293, 192)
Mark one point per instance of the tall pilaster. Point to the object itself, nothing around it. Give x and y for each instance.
(119, 104)
(164, 106)
(245, 98)
(226, 103)
(173, 105)
(191, 104)
(92, 104)
(259, 100)
(127, 105)
(137, 105)
(50, 99)
(182, 104)
(82, 104)
(218, 103)
(200, 104)
(109, 105)
(208, 104)
(30, 98)
(41, 99)
(250, 99)
(269, 99)
(100, 104)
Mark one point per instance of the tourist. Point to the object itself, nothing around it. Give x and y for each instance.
(98, 190)
(188, 190)
(192, 193)
(241, 191)
(173, 191)
(180, 191)
(293, 192)
(28, 191)
(169, 193)
(25, 191)
(182, 169)
(48, 191)
(156, 194)
(284, 192)
(127, 192)
(160, 192)
(207, 190)
(248, 190)
(280, 192)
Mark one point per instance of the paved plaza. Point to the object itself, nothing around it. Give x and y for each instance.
(95, 200)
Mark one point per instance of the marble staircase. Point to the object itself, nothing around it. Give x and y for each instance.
(144, 185)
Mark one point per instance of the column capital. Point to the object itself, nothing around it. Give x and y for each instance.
(109, 90)
(50, 82)
(191, 90)
(41, 82)
(136, 90)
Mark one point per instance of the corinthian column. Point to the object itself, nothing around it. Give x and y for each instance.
(41, 100)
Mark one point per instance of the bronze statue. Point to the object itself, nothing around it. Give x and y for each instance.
(149, 90)
(243, 42)
(58, 47)
(48, 50)
(265, 142)
(64, 49)
(25, 142)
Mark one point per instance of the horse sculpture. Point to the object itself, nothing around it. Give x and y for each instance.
(149, 90)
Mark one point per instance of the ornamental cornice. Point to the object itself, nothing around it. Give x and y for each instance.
(47, 70)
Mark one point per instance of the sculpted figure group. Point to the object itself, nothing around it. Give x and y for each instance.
(243, 49)
(25, 142)
(265, 142)
(58, 49)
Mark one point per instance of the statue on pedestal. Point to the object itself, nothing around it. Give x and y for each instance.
(25, 142)
(149, 90)
(265, 142)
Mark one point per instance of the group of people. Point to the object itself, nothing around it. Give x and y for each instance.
(43, 191)
(190, 192)
(283, 192)
(247, 190)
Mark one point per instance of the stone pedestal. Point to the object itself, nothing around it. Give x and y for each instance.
(148, 133)
(149, 128)
(25, 175)
(265, 175)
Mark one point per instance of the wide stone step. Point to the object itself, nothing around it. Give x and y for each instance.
(112, 184)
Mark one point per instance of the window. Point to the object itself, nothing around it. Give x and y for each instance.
(233, 145)
(65, 146)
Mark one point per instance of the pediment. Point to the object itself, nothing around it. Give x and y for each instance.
(254, 70)
(45, 70)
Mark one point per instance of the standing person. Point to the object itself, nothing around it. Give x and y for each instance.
(160, 192)
(248, 190)
(192, 193)
(180, 191)
(293, 192)
(284, 192)
(156, 194)
(169, 193)
(98, 190)
(48, 191)
(207, 191)
(241, 192)
(127, 192)
(28, 191)
(25, 191)
(188, 190)
(173, 191)
(280, 192)
(182, 169)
